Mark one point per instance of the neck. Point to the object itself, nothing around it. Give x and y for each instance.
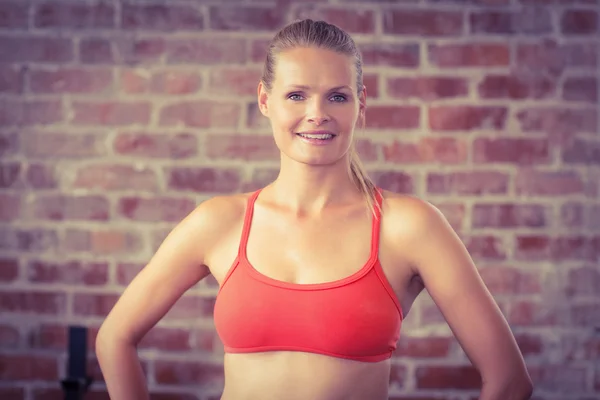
(308, 189)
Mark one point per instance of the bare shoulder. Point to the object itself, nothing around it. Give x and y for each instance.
(410, 216)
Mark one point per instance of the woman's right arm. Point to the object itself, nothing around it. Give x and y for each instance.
(177, 265)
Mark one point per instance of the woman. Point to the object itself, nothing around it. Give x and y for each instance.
(316, 270)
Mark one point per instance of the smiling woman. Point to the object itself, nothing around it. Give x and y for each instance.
(317, 270)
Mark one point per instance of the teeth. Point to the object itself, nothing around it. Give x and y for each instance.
(324, 136)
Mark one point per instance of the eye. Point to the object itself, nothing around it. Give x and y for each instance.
(295, 97)
(339, 98)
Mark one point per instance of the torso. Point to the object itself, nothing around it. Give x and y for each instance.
(309, 251)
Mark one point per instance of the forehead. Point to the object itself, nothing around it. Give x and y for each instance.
(318, 68)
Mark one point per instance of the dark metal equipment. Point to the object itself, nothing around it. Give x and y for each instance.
(76, 384)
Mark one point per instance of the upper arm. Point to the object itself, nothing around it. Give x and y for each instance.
(452, 280)
(175, 267)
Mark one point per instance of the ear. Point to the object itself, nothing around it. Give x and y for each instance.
(362, 103)
(263, 98)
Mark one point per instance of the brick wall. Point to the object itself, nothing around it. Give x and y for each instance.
(116, 118)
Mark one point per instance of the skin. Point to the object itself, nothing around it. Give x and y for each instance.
(312, 208)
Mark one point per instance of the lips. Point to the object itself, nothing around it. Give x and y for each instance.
(322, 134)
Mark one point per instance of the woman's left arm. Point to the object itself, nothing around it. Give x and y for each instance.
(452, 280)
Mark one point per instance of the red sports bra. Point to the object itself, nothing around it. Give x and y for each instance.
(357, 317)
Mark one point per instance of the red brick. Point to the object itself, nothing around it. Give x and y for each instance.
(25, 302)
(485, 247)
(468, 183)
(30, 112)
(106, 241)
(245, 18)
(367, 150)
(173, 82)
(504, 280)
(580, 89)
(260, 178)
(68, 272)
(204, 339)
(506, 215)
(132, 50)
(54, 336)
(371, 82)
(559, 379)
(532, 247)
(593, 218)
(465, 118)
(200, 114)
(127, 271)
(27, 239)
(579, 22)
(427, 150)
(70, 80)
(9, 269)
(350, 20)
(394, 181)
(200, 373)
(14, 393)
(171, 146)
(511, 150)
(453, 212)
(205, 51)
(392, 117)
(255, 119)
(167, 339)
(447, 377)
(9, 143)
(223, 180)
(549, 183)
(427, 88)
(13, 15)
(172, 396)
(74, 16)
(110, 113)
(558, 120)
(469, 55)
(398, 376)
(403, 55)
(583, 281)
(51, 144)
(529, 344)
(9, 174)
(234, 81)
(190, 307)
(17, 49)
(423, 22)
(9, 337)
(115, 177)
(534, 313)
(41, 176)
(10, 207)
(12, 79)
(574, 248)
(161, 17)
(96, 51)
(61, 207)
(516, 87)
(571, 215)
(155, 209)
(241, 147)
(549, 58)
(93, 305)
(585, 314)
(29, 367)
(581, 151)
(527, 20)
(424, 347)
(258, 50)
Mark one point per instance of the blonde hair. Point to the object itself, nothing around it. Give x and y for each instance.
(320, 34)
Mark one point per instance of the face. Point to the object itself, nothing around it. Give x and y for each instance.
(313, 106)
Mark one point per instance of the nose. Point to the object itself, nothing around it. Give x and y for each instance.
(317, 114)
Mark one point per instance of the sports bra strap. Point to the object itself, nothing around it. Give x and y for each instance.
(247, 223)
(376, 226)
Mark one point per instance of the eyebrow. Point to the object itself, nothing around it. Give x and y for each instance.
(304, 87)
